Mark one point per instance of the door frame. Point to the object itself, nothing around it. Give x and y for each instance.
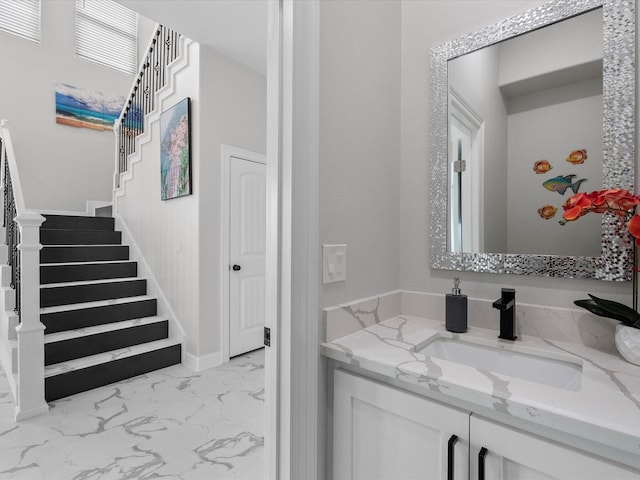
(295, 438)
(227, 152)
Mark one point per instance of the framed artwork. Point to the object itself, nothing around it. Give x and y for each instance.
(86, 108)
(175, 151)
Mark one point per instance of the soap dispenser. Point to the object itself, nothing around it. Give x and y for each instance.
(456, 309)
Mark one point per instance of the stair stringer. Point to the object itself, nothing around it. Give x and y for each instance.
(172, 70)
(176, 330)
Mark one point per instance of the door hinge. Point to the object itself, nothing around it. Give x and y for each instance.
(267, 337)
(459, 166)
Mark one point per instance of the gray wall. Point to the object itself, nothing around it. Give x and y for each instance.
(547, 132)
(234, 112)
(61, 167)
(374, 149)
(360, 143)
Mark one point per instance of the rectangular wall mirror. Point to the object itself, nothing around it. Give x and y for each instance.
(527, 112)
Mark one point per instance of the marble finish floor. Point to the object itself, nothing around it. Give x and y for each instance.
(169, 424)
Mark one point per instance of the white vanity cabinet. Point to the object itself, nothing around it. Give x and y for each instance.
(509, 454)
(381, 432)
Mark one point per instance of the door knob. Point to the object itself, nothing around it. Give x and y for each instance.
(236, 268)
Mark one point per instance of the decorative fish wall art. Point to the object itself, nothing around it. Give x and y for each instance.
(542, 166)
(560, 184)
(547, 212)
(577, 157)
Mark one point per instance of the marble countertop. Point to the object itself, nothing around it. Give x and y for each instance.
(605, 408)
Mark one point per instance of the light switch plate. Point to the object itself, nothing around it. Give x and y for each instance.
(334, 263)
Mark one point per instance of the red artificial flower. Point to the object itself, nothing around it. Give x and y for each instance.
(634, 228)
(618, 201)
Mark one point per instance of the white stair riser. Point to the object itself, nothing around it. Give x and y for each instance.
(5, 272)
(14, 357)
(12, 323)
(8, 299)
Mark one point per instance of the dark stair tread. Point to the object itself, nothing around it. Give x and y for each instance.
(91, 253)
(96, 340)
(79, 237)
(72, 272)
(60, 383)
(89, 314)
(78, 222)
(100, 326)
(63, 294)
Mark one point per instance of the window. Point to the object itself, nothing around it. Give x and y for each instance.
(21, 18)
(106, 33)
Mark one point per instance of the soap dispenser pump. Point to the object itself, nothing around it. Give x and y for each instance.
(456, 309)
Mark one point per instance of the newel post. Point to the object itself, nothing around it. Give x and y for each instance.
(30, 399)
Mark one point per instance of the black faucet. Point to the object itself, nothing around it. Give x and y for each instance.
(507, 306)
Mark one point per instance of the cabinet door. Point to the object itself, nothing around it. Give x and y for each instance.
(515, 455)
(383, 433)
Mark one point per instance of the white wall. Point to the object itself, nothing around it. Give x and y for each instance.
(62, 167)
(360, 143)
(180, 238)
(234, 99)
(146, 29)
(424, 25)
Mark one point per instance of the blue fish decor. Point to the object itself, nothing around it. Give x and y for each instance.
(560, 184)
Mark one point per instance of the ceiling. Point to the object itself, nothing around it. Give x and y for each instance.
(235, 28)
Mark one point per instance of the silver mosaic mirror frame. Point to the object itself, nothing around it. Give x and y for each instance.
(615, 260)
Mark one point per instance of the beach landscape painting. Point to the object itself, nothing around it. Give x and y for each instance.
(175, 151)
(86, 108)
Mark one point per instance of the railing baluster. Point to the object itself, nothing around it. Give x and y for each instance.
(164, 49)
(12, 232)
(162, 56)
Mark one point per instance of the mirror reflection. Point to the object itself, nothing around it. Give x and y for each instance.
(525, 132)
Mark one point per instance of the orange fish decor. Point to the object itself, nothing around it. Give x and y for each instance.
(577, 157)
(547, 212)
(542, 166)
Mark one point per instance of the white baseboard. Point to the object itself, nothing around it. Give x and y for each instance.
(205, 362)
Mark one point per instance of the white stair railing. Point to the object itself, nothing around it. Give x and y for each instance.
(23, 241)
(164, 48)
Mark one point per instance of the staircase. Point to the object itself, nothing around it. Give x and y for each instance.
(100, 325)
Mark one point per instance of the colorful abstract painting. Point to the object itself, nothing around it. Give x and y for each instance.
(85, 108)
(175, 151)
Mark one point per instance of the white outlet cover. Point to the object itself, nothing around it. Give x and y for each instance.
(334, 263)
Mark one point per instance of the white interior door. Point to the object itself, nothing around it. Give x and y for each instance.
(247, 248)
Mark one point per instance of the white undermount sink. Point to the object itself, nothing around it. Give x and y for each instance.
(550, 369)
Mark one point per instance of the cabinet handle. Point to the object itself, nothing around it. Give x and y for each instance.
(450, 456)
(481, 455)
